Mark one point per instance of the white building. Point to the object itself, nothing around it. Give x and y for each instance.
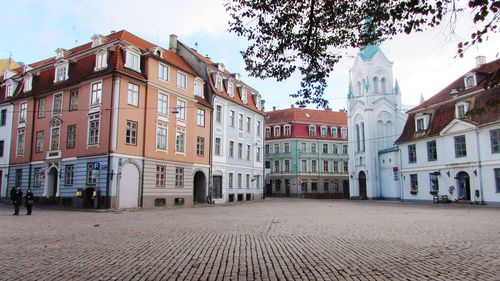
(6, 114)
(451, 142)
(237, 163)
(375, 120)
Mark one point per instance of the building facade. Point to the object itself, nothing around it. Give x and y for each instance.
(237, 140)
(450, 145)
(6, 113)
(306, 152)
(83, 126)
(375, 121)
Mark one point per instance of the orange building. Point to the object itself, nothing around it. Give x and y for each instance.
(117, 122)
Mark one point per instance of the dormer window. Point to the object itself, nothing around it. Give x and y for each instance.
(244, 98)
(268, 132)
(312, 130)
(61, 53)
(133, 59)
(97, 40)
(28, 82)
(157, 51)
(218, 82)
(230, 89)
(323, 131)
(257, 102)
(333, 132)
(220, 66)
(421, 122)
(101, 60)
(470, 81)
(343, 133)
(10, 87)
(61, 72)
(288, 130)
(277, 131)
(198, 88)
(461, 109)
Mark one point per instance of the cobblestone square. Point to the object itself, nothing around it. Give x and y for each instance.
(276, 239)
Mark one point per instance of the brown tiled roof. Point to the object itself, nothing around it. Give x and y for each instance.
(237, 95)
(442, 115)
(83, 68)
(309, 116)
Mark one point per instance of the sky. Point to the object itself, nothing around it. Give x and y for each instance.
(424, 63)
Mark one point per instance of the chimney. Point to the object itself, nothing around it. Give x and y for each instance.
(262, 103)
(274, 108)
(292, 106)
(173, 43)
(480, 60)
(328, 109)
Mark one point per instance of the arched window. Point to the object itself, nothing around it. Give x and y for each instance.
(383, 87)
(362, 136)
(376, 89)
(358, 144)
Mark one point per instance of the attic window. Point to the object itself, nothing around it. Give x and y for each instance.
(97, 40)
(28, 82)
(277, 131)
(257, 101)
(230, 89)
(158, 52)
(9, 89)
(461, 109)
(220, 66)
(101, 60)
(61, 72)
(268, 132)
(470, 81)
(244, 98)
(288, 130)
(312, 130)
(218, 82)
(324, 129)
(133, 59)
(421, 122)
(61, 53)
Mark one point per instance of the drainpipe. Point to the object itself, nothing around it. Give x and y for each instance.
(401, 175)
(479, 166)
(141, 189)
(212, 131)
(110, 141)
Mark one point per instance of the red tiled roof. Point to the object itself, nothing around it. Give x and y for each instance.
(309, 116)
(443, 114)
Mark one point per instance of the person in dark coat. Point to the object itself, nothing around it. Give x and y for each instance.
(28, 201)
(17, 199)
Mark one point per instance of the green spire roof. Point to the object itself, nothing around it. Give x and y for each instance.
(369, 51)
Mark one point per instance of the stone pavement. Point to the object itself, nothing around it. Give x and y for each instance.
(277, 239)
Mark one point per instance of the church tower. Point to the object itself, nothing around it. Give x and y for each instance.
(375, 121)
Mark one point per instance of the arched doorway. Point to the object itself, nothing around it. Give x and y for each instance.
(128, 196)
(362, 185)
(51, 190)
(199, 187)
(463, 183)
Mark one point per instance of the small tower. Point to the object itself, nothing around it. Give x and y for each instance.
(375, 121)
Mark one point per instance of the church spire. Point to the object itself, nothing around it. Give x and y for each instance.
(397, 91)
(421, 98)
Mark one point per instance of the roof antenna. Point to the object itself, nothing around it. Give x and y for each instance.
(74, 33)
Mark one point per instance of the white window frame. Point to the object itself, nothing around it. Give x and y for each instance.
(69, 173)
(217, 146)
(200, 117)
(95, 99)
(39, 138)
(198, 88)
(230, 89)
(21, 141)
(323, 131)
(161, 139)
(474, 81)
(101, 60)
(131, 130)
(180, 140)
(258, 124)
(422, 119)
(133, 59)
(218, 82)
(133, 94)
(57, 111)
(181, 109)
(163, 99)
(161, 175)
(240, 122)
(287, 131)
(244, 96)
(459, 114)
(232, 114)
(163, 72)
(268, 132)
(312, 130)
(343, 132)
(23, 112)
(181, 80)
(28, 82)
(56, 127)
(73, 100)
(333, 132)
(277, 131)
(61, 72)
(95, 137)
(179, 177)
(9, 89)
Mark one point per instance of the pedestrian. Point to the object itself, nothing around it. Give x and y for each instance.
(17, 199)
(28, 201)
